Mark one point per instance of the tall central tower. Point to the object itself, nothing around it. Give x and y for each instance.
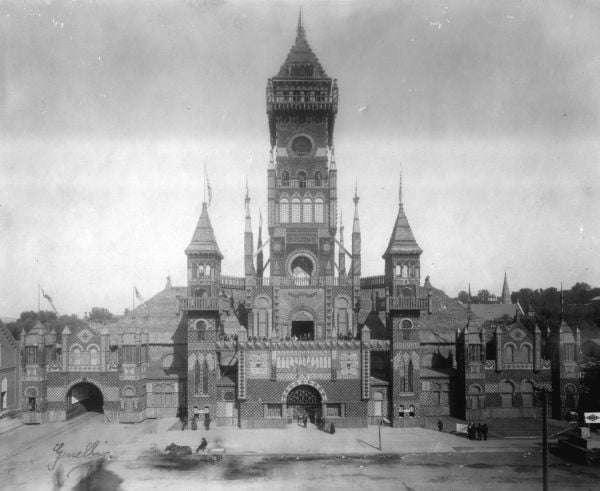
(302, 180)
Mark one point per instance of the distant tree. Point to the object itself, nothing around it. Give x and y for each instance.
(100, 314)
(483, 296)
(50, 320)
(463, 296)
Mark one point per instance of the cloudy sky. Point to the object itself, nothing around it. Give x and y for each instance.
(108, 111)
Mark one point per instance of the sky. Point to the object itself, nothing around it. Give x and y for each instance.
(109, 111)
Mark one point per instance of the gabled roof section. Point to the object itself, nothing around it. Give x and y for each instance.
(300, 58)
(495, 311)
(402, 240)
(203, 240)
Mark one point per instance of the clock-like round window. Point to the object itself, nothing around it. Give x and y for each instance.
(301, 145)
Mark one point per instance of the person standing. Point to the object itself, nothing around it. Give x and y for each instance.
(202, 446)
(484, 430)
(207, 421)
(305, 420)
(440, 425)
(195, 418)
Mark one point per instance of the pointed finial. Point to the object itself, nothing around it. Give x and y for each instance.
(356, 198)
(259, 218)
(300, 30)
(469, 304)
(332, 161)
(400, 187)
(247, 200)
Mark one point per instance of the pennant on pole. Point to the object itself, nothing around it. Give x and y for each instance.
(208, 188)
(137, 294)
(49, 298)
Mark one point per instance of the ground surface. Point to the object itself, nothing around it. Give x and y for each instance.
(99, 455)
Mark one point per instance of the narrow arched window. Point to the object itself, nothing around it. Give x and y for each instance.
(409, 377)
(284, 210)
(319, 210)
(295, 210)
(405, 271)
(508, 354)
(285, 178)
(526, 354)
(307, 210)
(301, 179)
(94, 358)
(197, 378)
(318, 179)
(205, 377)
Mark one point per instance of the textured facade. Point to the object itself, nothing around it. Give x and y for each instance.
(302, 333)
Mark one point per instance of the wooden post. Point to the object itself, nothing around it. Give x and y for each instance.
(545, 440)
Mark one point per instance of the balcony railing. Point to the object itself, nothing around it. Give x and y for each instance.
(295, 183)
(198, 303)
(409, 303)
(233, 281)
(372, 282)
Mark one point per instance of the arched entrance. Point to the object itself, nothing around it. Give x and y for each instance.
(303, 326)
(304, 399)
(82, 398)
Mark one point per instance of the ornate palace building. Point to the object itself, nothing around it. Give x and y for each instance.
(303, 332)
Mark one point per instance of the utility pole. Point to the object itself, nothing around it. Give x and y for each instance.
(544, 396)
(380, 423)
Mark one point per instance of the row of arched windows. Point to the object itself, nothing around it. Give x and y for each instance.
(305, 211)
(302, 179)
(513, 355)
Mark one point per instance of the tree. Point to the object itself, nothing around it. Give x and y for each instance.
(463, 296)
(483, 296)
(100, 314)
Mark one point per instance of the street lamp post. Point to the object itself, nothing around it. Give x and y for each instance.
(380, 424)
(544, 395)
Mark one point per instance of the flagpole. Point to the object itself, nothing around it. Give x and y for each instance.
(132, 299)
(39, 288)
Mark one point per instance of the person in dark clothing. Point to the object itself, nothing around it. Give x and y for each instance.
(470, 428)
(440, 425)
(305, 420)
(484, 431)
(202, 446)
(331, 429)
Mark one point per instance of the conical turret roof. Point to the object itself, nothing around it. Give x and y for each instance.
(301, 54)
(505, 291)
(402, 240)
(203, 240)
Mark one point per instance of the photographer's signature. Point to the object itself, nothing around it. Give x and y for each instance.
(90, 451)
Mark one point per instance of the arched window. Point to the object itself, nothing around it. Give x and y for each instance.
(307, 210)
(398, 270)
(319, 210)
(474, 397)
(129, 401)
(201, 330)
(509, 352)
(284, 210)
(407, 325)
(526, 353)
(4, 393)
(197, 378)
(301, 179)
(285, 178)
(318, 179)
(405, 271)
(527, 394)
(76, 356)
(94, 357)
(205, 377)
(409, 377)
(507, 390)
(377, 403)
(295, 210)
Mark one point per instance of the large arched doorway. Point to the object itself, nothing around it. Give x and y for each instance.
(82, 398)
(302, 400)
(303, 326)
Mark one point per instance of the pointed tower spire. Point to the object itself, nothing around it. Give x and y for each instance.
(562, 309)
(341, 252)
(356, 199)
(248, 245)
(505, 291)
(400, 188)
(204, 241)
(259, 255)
(300, 33)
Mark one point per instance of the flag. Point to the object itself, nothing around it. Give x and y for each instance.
(208, 188)
(137, 293)
(49, 298)
(260, 218)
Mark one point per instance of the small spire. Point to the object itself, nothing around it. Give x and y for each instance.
(562, 310)
(356, 198)
(341, 228)
(332, 161)
(271, 163)
(505, 290)
(400, 187)
(469, 310)
(300, 31)
(259, 220)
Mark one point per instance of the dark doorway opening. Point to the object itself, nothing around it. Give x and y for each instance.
(303, 330)
(302, 400)
(82, 398)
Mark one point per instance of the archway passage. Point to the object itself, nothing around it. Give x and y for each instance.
(302, 400)
(82, 398)
(303, 330)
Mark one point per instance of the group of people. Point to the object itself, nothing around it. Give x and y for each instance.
(477, 431)
(182, 414)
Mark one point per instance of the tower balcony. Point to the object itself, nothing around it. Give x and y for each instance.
(307, 183)
(408, 303)
(283, 104)
(187, 304)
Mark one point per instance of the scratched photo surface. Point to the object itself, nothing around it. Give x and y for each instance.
(120, 121)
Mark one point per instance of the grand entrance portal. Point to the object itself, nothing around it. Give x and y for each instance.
(82, 398)
(302, 400)
(303, 330)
